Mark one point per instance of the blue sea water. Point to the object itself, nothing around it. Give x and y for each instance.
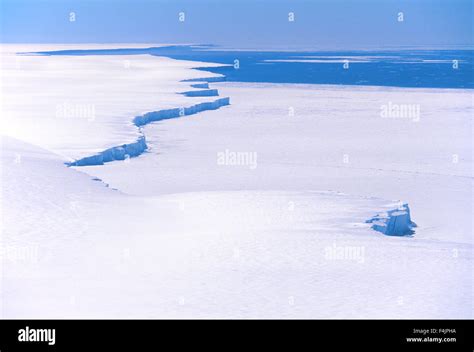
(398, 68)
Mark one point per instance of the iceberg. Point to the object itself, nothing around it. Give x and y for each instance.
(394, 222)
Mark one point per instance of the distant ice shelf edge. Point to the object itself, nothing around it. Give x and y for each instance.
(136, 148)
(395, 222)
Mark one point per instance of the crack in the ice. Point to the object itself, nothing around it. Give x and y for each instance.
(134, 149)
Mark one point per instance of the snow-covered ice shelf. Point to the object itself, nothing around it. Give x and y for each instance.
(282, 232)
(83, 250)
(81, 106)
(136, 148)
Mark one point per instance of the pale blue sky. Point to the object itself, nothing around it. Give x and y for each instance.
(248, 23)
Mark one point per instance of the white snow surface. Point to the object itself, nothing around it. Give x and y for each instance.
(310, 137)
(74, 248)
(185, 231)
